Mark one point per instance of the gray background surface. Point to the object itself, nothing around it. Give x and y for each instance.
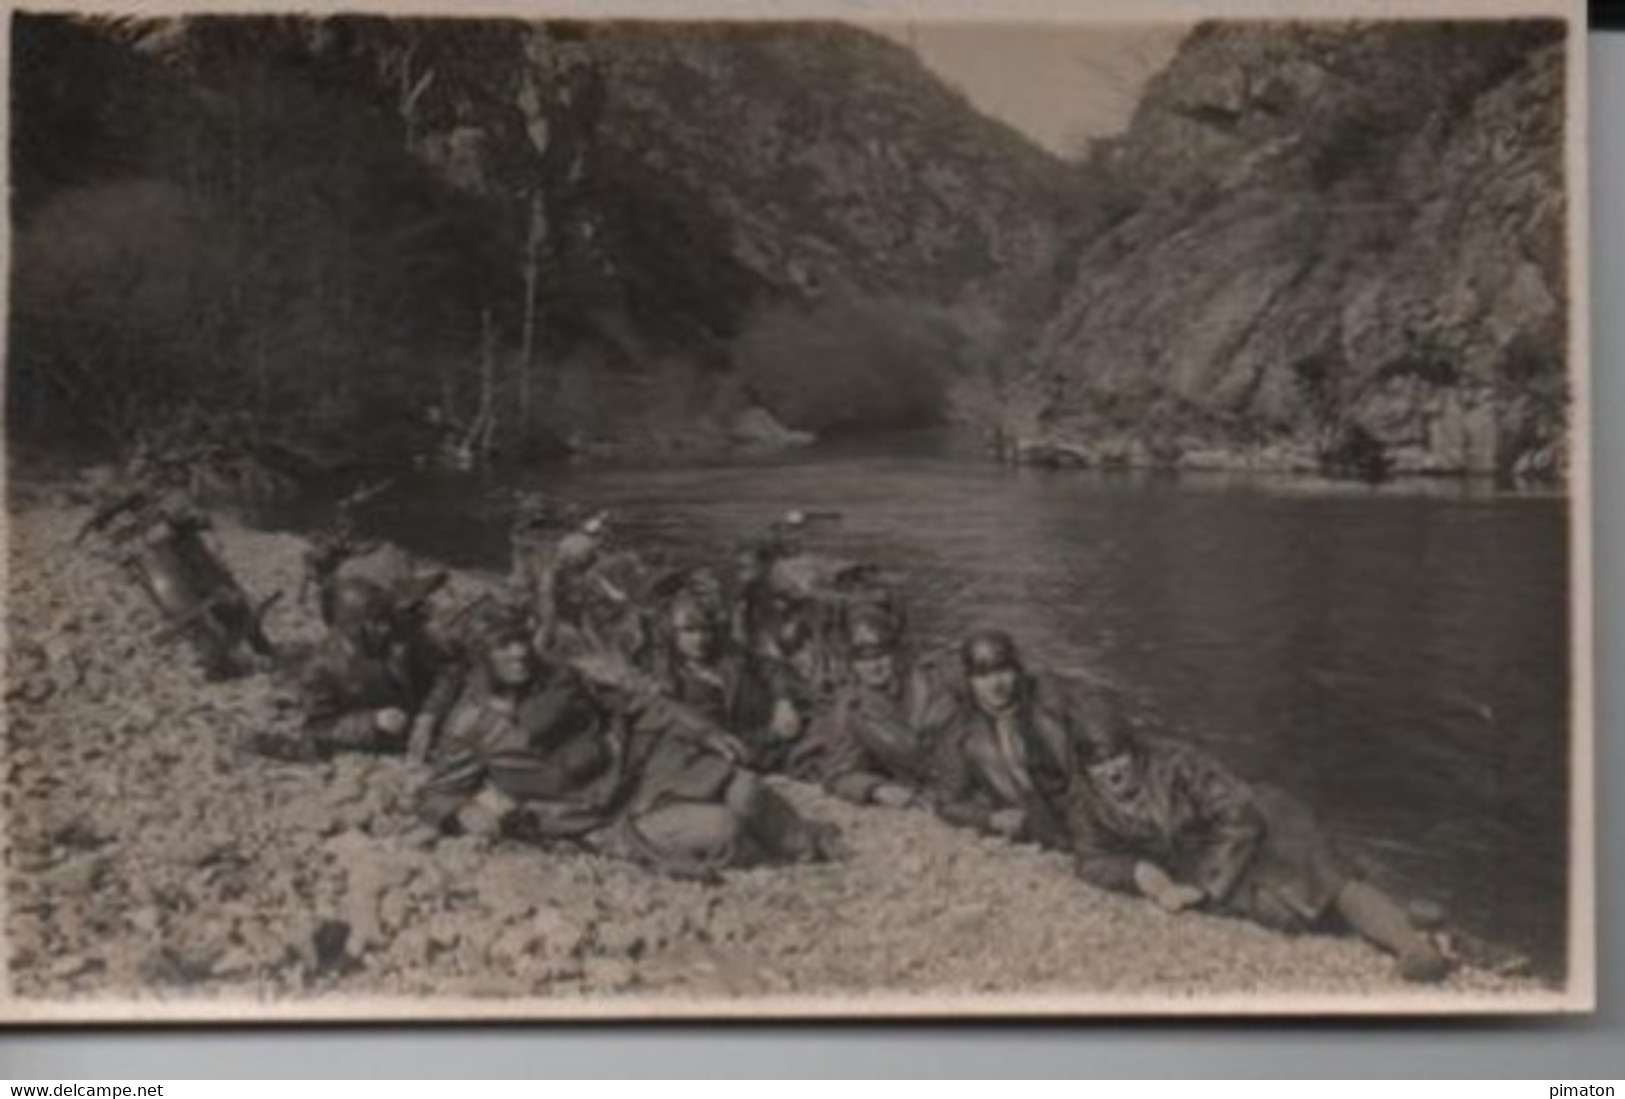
(1568, 1049)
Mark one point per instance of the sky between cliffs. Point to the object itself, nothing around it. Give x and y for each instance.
(1060, 85)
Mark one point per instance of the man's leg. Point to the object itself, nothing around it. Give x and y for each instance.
(688, 838)
(775, 826)
(1385, 922)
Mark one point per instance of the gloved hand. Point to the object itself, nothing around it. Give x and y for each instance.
(892, 796)
(391, 720)
(786, 723)
(1155, 883)
(421, 740)
(486, 814)
(1008, 822)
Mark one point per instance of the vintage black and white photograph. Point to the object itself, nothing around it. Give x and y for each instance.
(551, 514)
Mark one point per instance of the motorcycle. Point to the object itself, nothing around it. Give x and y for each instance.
(159, 543)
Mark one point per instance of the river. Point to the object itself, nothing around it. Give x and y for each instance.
(1397, 658)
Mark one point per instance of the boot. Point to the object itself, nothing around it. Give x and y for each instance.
(1428, 969)
(1382, 921)
(784, 834)
(1425, 915)
(827, 842)
(282, 748)
(1470, 950)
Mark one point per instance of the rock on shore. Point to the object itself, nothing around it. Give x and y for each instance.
(151, 858)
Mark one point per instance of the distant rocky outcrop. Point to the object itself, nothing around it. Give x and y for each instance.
(1345, 250)
(756, 427)
(835, 158)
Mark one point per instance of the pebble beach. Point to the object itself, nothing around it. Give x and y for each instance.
(153, 861)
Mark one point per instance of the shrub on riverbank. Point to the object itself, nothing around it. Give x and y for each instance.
(849, 364)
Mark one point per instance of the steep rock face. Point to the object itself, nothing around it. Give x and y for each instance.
(834, 156)
(575, 232)
(725, 166)
(718, 188)
(1351, 229)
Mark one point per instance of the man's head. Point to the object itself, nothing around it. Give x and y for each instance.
(789, 533)
(695, 634)
(1109, 755)
(872, 642)
(500, 637)
(363, 612)
(578, 548)
(992, 669)
(793, 635)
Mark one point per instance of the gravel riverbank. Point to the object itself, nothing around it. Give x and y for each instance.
(152, 860)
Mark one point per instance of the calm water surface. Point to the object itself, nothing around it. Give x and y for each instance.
(1398, 660)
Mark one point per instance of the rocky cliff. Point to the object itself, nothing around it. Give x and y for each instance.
(836, 158)
(755, 203)
(1345, 247)
(583, 232)
(1317, 246)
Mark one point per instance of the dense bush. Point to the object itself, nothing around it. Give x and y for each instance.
(846, 364)
(246, 232)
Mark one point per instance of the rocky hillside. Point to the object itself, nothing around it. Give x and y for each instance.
(370, 216)
(836, 158)
(1346, 246)
(798, 214)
